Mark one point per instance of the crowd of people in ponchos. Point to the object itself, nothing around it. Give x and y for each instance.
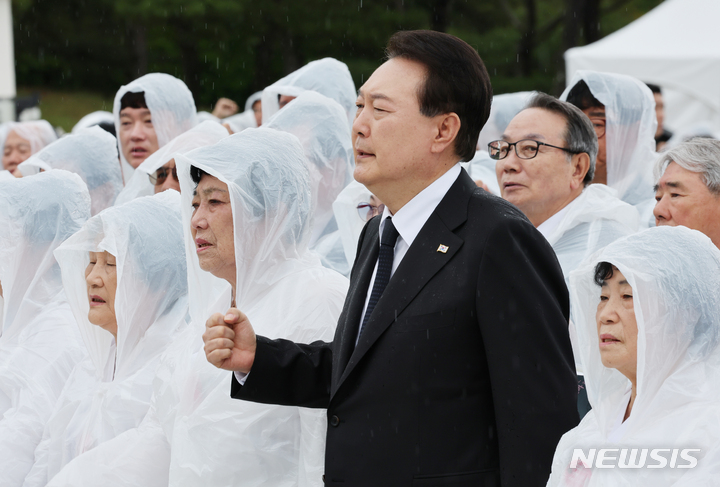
(105, 288)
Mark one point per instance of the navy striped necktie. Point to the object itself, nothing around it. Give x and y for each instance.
(384, 268)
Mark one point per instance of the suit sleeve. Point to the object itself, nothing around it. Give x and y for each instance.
(523, 307)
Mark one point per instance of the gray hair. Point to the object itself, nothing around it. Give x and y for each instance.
(579, 133)
(701, 155)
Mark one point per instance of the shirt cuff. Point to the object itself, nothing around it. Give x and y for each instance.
(240, 377)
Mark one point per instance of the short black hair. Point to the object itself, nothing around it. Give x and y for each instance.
(133, 100)
(579, 134)
(654, 88)
(108, 127)
(603, 272)
(456, 81)
(581, 96)
(196, 174)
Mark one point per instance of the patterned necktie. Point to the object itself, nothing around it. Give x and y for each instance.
(384, 268)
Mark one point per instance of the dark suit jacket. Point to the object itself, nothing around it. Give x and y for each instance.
(464, 374)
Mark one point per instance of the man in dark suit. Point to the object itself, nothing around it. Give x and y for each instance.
(451, 363)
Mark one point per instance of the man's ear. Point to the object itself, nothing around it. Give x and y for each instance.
(447, 128)
(581, 166)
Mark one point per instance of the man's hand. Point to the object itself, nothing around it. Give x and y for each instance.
(224, 108)
(230, 341)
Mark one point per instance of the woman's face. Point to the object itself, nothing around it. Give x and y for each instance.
(211, 226)
(617, 327)
(101, 279)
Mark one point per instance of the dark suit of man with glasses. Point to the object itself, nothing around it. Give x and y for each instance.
(451, 363)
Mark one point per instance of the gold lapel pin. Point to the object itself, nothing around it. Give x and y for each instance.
(443, 248)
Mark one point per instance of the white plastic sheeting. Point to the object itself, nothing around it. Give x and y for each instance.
(171, 106)
(327, 76)
(92, 154)
(349, 223)
(674, 46)
(151, 307)
(675, 278)
(40, 342)
(318, 122)
(629, 135)
(205, 133)
(92, 119)
(195, 434)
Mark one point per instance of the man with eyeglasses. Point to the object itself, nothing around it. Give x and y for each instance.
(545, 164)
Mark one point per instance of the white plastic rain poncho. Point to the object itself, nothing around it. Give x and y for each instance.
(675, 278)
(195, 434)
(205, 133)
(349, 223)
(629, 134)
(110, 392)
(317, 122)
(327, 76)
(245, 119)
(92, 154)
(38, 132)
(171, 106)
(92, 119)
(40, 343)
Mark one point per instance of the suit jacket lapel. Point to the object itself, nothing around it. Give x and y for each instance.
(421, 262)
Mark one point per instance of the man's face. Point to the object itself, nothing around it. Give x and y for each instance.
(391, 138)
(257, 111)
(167, 178)
(211, 226)
(684, 199)
(659, 113)
(543, 185)
(137, 135)
(597, 117)
(15, 151)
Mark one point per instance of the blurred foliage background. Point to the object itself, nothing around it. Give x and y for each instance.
(233, 48)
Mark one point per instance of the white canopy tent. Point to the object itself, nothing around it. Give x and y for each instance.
(7, 64)
(676, 46)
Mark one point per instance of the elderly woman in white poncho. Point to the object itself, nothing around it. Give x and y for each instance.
(649, 329)
(246, 233)
(92, 154)
(20, 140)
(126, 280)
(318, 122)
(40, 343)
(149, 112)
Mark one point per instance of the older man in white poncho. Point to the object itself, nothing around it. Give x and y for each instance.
(40, 343)
(125, 276)
(251, 220)
(648, 309)
(622, 110)
(92, 154)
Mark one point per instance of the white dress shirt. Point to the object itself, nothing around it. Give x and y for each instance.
(408, 222)
(410, 219)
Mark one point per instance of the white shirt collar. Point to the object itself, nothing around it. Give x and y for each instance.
(548, 227)
(410, 219)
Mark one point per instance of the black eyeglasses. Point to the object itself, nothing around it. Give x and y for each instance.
(524, 149)
(162, 174)
(367, 211)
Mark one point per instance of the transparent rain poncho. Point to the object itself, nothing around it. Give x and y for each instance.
(92, 119)
(674, 273)
(317, 122)
(630, 134)
(194, 433)
(349, 223)
(171, 105)
(205, 133)
(327, 76)
(40, 343)
(92, 154)
(110, 392)
(38, 132)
